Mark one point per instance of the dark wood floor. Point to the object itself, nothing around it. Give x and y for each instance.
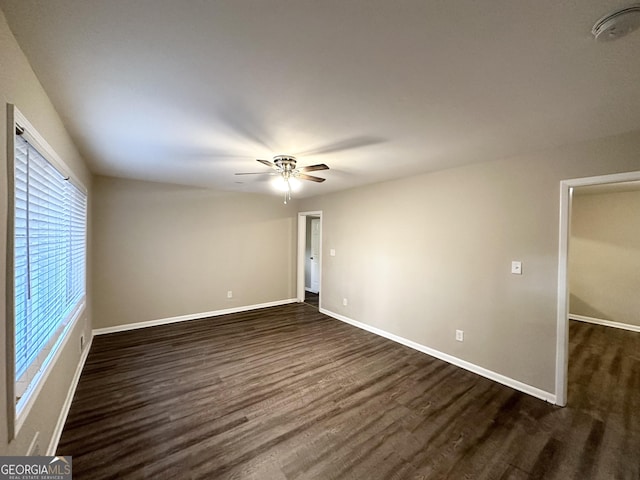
(312, 299)
(288, 393)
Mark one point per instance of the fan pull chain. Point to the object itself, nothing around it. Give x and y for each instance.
(287, 193)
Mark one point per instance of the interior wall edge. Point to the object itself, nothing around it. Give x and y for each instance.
(188, 317)
(458, 362)
(606, 323)
(64, 411)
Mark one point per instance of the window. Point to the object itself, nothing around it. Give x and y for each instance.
(49, 260)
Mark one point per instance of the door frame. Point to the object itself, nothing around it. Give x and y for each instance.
(302, 239)
(562, 345)
(314, 264)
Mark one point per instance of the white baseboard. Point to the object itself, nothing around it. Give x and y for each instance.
(62, 418)
(606, 323)
(491, 375)
(193, 316)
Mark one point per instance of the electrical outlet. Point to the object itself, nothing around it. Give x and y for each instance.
(460, 335)
(229, 294)
(345, 302)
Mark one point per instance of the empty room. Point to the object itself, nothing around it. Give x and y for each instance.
(354, 239)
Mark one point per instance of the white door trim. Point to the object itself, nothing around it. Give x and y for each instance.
(314, 264)
(562, 345)
(302, 236)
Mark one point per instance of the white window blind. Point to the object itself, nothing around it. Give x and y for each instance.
(49, 260)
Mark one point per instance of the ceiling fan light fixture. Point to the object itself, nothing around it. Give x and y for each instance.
(287, 175)
(617, 24)
(295, 184)
(280, 184)
(283, 184)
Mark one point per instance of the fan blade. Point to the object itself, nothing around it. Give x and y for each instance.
(268, 163)
(310, 177)
(257, 173)
(313, 168)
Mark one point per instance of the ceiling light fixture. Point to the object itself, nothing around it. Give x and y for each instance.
(617, 24)
(286, 183)
(289, 175)
(287, 165)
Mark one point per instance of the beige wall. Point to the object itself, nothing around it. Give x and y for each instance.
(418, 257)
(604, 259)
(423, 256)
(19, 85)
(163, 250)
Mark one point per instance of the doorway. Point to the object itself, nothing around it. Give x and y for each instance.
(562, 348)
(309, 270)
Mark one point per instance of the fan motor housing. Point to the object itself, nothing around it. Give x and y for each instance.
(617, 24)
(286, 162)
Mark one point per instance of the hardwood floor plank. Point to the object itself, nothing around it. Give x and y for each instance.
(287, 393)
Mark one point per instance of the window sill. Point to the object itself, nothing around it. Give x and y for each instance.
(24, 405)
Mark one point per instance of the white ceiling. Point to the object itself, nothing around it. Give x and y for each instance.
(192, 91)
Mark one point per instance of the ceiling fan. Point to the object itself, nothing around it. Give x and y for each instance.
(285, 166)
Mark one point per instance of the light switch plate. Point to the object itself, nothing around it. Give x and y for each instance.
(332, 252)
(516, 267)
